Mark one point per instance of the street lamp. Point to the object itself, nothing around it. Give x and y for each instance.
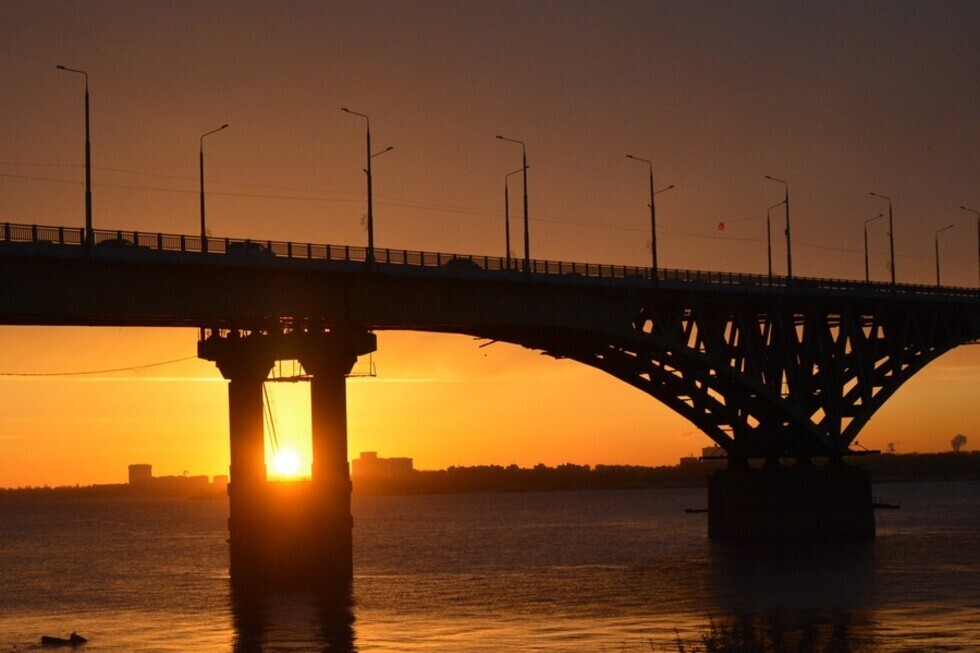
(527, 238)
(204, 233)
(769, 237)
(978, 234)
(88, 160)
(939, 231)
(656, 277)
(653, 214)
(507, 213)
(891, 232)
(369, 258)
(867, 274)
(789, 252)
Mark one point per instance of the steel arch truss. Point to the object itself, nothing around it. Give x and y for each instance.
(773, 377)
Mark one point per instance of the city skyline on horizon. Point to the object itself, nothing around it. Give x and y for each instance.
(220, 480)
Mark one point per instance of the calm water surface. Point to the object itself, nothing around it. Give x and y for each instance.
(581, 571)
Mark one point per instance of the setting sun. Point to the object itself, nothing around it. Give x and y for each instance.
(286, 463)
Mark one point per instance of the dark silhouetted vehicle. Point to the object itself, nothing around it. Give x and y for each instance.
(248, 248)
(461, 263)
(116, 242)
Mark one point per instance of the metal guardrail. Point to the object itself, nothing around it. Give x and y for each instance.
(102, 238)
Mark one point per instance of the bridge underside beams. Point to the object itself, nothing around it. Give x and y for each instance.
(775, 379)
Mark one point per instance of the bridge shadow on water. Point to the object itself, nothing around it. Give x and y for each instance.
(805, 597)
(292, 619)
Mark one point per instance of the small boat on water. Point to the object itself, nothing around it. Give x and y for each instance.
(72, 640)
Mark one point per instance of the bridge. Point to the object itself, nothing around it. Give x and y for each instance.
(772, 369)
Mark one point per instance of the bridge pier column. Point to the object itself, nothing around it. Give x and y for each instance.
(330, 529)
(291, 533)
(803, 502)
(246, 367)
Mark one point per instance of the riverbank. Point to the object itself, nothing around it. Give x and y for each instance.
(692, 473)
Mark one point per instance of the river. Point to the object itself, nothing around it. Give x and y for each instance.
(615, 571)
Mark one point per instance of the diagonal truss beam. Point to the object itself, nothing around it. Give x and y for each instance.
(767, 377)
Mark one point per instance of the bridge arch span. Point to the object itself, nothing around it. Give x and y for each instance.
(770, 377)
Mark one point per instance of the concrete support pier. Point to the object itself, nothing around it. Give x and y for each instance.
(246, 368)
(296, 533)
(329, 361)
(790, 503)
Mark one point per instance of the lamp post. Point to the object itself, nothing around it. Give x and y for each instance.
(88, 160)
(769, 237)
(656, 276)
(204, 232)
(867, 273)
(527, 238)
(369, 257)
(507, 214)
(939, 231)
(789, 251)
(653, 216)
(977, 213)
(891, 232)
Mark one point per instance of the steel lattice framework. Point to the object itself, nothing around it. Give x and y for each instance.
(776, 376)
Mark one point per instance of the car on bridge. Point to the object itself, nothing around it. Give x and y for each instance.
(461, 263)
(248, 248)
(120, 243)
(116, 242)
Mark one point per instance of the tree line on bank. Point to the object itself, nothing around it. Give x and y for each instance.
(887, 467)
(884, 468)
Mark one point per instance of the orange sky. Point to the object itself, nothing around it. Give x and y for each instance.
(839, 98)
(439, 399)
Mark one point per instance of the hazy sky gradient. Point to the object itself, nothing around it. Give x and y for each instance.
(839, 98)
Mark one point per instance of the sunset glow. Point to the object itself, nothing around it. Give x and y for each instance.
(450, 326)
(839, 103)
(286, 464)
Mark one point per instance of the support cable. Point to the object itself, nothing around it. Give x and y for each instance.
(134, 368)
(270, 420)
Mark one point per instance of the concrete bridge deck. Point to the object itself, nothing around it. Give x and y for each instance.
(154, 279)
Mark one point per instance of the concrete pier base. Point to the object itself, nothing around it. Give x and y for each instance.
(790, 503)
(299, 544)
(294, 534)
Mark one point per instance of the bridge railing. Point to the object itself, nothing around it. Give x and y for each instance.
(270, 249)
(39, 234)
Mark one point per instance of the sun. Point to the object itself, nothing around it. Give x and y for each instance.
(286, 463)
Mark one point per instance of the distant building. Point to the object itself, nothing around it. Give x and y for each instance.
(141, 479)
(181, 485)
(711, 458)
(369, 467)
(140, 475)
(708, 453)
(220, 483)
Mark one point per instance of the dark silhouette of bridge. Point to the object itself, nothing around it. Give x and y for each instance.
(769, 368)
